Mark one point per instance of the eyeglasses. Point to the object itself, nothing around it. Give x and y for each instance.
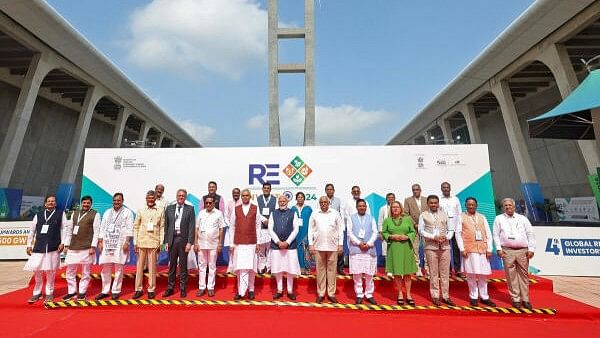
(209, 203)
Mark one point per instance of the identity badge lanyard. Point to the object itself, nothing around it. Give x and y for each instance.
(436, 230)
(76, 227)
(45, 226)
(114, 218)
(478, 233)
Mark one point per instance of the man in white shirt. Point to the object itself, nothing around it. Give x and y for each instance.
(209, 235)
(451, 206)
(325, 240)
(80, 243)
(362, 233)
(228, 214)
(245, 230)
(116, 231)
(161, 201)
(348, 209)
(515, 244)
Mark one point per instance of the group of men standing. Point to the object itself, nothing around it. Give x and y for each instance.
(262, 237)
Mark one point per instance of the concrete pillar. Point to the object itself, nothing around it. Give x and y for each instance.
(81, 131)
(124, 114)
(309, 75)
(468, 112)
(530, 187)
(274, 132)
(64, 195)
(9, 152)
(144, 129)
(173, 144)
(161, 137)
(557, 59)
(426, 136)
(444, 124)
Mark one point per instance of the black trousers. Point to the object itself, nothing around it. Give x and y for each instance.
(455, 254)
(177, 251)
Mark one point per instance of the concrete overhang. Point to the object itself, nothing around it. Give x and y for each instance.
(541, 19)
(41, 20)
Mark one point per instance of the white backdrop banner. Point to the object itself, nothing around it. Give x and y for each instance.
(567, 251)
(13, 239)
(376, 169)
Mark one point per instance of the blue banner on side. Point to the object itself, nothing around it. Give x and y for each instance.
(10, 203)
(64, 196)
(532, 193)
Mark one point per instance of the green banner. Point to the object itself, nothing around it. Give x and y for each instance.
(595, 184)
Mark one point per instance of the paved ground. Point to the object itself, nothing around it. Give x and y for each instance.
(583, 289)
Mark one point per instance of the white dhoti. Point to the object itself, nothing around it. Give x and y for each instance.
(244, 265)
(363, 265)
(285, 261)
(477, 267)
(43, 263)
(75, 257)
(112, 258)
(264, 250)
(207, 258)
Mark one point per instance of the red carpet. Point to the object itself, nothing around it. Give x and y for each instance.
(19, 319)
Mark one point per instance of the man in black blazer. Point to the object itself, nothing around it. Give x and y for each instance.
(180, 231)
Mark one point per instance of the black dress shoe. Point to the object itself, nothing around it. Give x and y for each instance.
(182, 293)
(167, 293)
(400, 301)
(34, 298)
(488, 302)
(448, 302)
(115, 296)
(371, 300)
(237, 297)
(151, 295)
(358, 300)
(320, 299)
(211, 293)
(251, 295)
(516, 305)
(436, 302)
(138, 294)
(101, 296)
(81, 296)
(332, 299)
(473, 301)
(200, 293)
(527, 305)
(291, 296)
(461, 275)
(410, 302)
(69, 296)
(277, 295)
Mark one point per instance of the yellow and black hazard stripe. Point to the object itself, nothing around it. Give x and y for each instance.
(362, 307)
(131, 275)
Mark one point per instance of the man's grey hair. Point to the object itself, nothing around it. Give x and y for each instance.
(508, 199)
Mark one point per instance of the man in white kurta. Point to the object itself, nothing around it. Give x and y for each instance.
(325, 240)
(451, 206)
(283, 228)
(81, 241)
(228, 214)
(210, 227)
(362, 233)
(474, 240)
(44, 243)
(347, 209)
(116, 231)
(244, 231)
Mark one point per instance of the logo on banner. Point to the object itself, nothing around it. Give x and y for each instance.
(118, 161)
(573, 247)
(297, 171)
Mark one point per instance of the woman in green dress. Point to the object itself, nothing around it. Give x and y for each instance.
(399, 232)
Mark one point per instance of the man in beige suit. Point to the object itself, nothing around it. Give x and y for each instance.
(414, 206)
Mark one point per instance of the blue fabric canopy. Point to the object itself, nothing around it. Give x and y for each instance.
(572, 118)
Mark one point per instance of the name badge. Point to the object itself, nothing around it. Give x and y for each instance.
(511, 237)
(361, 233)
(478, 236)
(45, 228)
(266, 211)
(149, 226)
(436, 232)
(298, 222)
(111, 227)
(76, 230)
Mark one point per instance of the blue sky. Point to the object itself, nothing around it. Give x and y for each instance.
(204, 61)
